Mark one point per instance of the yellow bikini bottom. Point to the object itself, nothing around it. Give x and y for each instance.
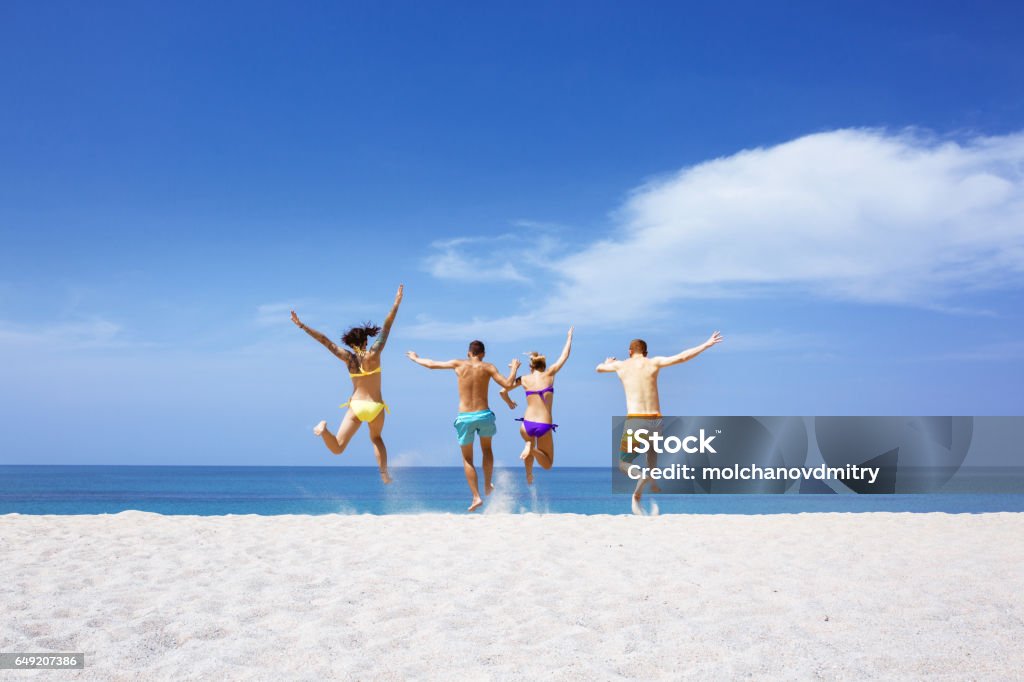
(366, 410)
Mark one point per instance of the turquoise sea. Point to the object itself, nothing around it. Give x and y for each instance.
(211, 490)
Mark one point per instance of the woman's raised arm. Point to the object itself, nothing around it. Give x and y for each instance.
(382, 339)
(565, 353)
(340, 353)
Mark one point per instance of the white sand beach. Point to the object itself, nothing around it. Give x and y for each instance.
(506, 597)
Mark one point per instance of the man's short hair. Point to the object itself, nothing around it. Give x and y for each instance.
(638, 346)
(476, 348)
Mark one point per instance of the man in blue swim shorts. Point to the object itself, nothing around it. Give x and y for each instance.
(475, 417)
(468, 424)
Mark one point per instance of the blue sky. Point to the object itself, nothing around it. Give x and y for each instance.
(837, 187)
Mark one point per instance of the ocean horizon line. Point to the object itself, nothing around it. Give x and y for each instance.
(370, 467)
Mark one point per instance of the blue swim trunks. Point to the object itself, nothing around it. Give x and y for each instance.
(468, 424)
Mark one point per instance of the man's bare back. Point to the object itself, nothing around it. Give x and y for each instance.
(474, 378)
(639, 376)
(639, 373)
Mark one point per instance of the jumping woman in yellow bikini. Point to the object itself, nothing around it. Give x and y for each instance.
(366, 404)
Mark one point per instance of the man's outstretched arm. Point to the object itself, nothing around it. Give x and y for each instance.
(517, 381)
(509, 381)
(609, 365)
(688, 354)
(431, 364)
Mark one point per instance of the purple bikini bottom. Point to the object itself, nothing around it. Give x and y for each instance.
(537, 429)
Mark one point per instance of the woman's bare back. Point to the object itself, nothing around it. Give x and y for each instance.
(538, 405)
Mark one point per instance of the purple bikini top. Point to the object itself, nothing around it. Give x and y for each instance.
(549, 389)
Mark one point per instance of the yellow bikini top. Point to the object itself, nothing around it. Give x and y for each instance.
(364, 374)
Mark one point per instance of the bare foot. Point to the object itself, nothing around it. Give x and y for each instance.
(637, 509)
(477, 503)
(488, 489)
(386, 477)
(527, 451)
(319, 428)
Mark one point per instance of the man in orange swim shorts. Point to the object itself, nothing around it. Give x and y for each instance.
(639, 376)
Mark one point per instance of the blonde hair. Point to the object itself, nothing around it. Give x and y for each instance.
(537, 361)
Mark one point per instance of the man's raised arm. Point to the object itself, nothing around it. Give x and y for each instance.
(431, 364)
(688, 354)
(609, 365)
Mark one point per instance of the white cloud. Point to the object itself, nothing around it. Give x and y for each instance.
(505, 257)
(92, 333)
(409, 458)
(327, 314)
(856, 215)
(1000, 351)
(275, 314)
(453, 259)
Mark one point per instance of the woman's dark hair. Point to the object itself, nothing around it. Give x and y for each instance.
(356, 337)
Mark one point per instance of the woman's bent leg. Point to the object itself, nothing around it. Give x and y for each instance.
(527, 454)
(338, 443)
(545, 450)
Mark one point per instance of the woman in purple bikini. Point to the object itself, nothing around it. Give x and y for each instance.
(537, 423)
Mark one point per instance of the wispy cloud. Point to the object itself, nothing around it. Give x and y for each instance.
(81, 334)
(857, 215)
(1000, 351)
(275, 314)
(278, 313)
(508, 257)
(455, 259)
(410, 458)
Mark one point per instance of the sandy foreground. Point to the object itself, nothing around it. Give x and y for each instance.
(508, 597)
